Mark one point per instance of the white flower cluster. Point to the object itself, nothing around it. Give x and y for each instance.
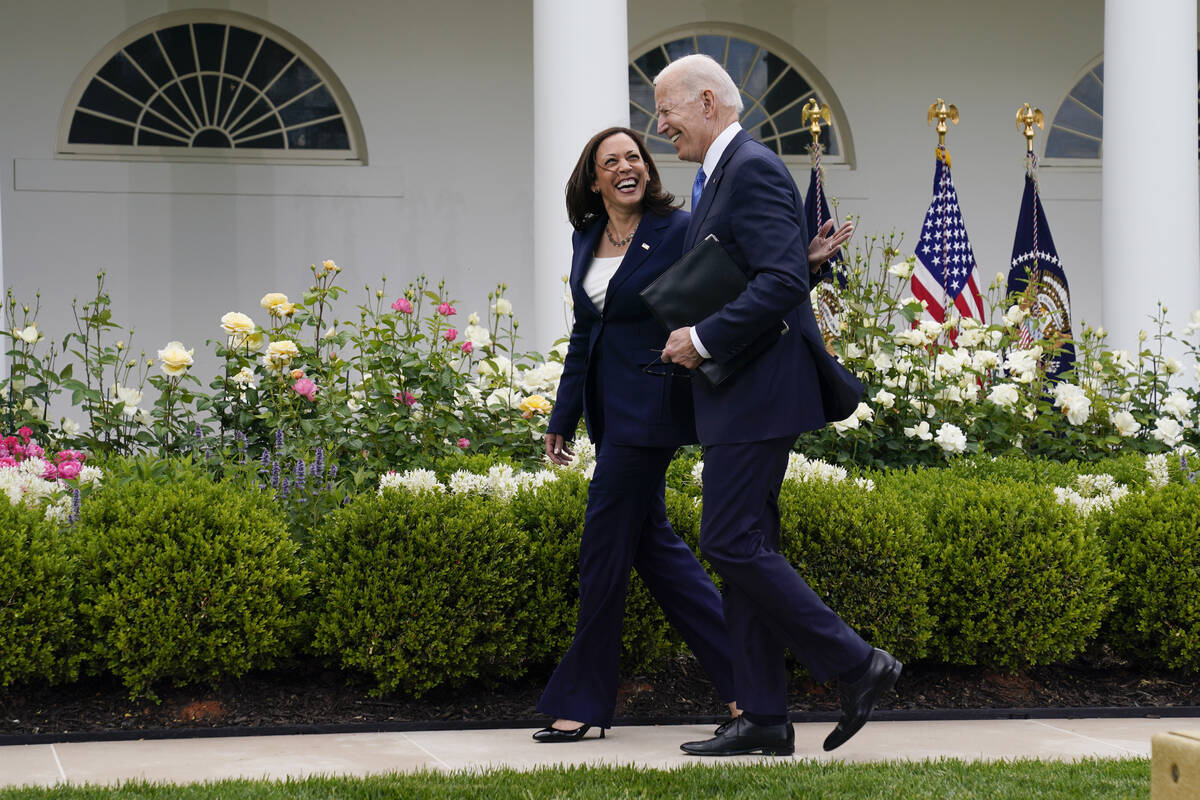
(1156, 467)
(501, 482)
(585, 458)
(802, 469)
(1092, 493)
(24, 485)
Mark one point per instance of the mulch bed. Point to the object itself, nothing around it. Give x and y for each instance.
(305, 694)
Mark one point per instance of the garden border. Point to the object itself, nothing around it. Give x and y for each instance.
(882, 715)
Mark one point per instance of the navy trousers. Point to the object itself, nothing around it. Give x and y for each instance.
(768, 606)
(626, 526)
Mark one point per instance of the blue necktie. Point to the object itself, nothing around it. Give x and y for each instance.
(698, 187)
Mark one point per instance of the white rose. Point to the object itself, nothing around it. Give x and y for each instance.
(903, 270)
(473, 319)
(244, 377)
(1004, 395)
(502, 307)
(1015, 316)
(1178, 405)
(1172, 366)
(1168, 431)
(848, 424)
(1194, 325)
(175, 359)
(931, 328)
(881, 361)
(984, 360)
(561, 349)
(920, 431)
(971, 337)
(864, 412)
(477, 336)
(884, 398)
(29, 334)
(69, 427)
(948, 364)
(1124, 422)
(951, 438)
(911, 337)
(854, 350)
(128, 397)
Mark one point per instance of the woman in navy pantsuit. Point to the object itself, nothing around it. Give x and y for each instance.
(638, 411)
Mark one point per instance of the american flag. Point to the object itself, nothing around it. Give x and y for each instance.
(946, 272)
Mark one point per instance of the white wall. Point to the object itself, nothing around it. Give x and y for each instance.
(444, 91)
(444, 94)
(888, 62)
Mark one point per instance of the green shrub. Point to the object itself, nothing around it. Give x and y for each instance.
(38, 624)
(1016, 579)
(1154, 545)
(422, 591)
(188, 580)
(862, 553)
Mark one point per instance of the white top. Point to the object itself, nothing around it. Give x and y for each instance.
(600, 272)
(711, 159)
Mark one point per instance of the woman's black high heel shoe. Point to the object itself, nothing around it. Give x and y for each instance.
(552, 735)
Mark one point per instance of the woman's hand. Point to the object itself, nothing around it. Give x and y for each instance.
(557, 449)
(827, 242)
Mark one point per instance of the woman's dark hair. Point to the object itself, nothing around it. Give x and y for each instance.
(585, 206)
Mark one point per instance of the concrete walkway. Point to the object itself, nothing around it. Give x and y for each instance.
(277, 757)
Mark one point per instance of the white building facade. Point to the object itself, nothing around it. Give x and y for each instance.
(469, 115)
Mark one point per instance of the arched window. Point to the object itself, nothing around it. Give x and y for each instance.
(1078, 126)
(210, 85)
(774, 79)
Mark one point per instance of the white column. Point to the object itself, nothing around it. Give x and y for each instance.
(580, 86)
(1150, 214)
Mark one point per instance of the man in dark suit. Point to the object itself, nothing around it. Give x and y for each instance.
(745, 196)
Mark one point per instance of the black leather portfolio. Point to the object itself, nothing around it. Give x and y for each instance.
(696, 287)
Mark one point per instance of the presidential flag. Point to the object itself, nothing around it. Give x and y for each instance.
(945, 276)
(1035, 260)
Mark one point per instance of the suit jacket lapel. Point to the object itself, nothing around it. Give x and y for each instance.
(580, 262)
(643, 245)
(710, 188)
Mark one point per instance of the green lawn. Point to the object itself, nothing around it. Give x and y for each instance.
(936, 780)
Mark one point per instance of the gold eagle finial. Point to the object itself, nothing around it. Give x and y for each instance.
(942, 112)
(813, 114)
(1027, 117)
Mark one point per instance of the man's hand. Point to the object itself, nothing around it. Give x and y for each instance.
(680, 350)
(825, 246)
(557, 449)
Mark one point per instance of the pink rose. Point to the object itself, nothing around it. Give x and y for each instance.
(50, 473)
(34, 450)
(10, 442)
(446, 310)
(25, 433)
(467, 347)
(69, 470)
(17, 450)
(464, 443)
(7, 461)
(403, 305)
(305, 388)
(407, 398)
(450, 335)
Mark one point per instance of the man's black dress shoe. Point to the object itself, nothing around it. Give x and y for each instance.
(552, 735)
(740, 737)
(859, 698)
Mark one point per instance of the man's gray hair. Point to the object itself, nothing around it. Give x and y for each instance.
(698, 72)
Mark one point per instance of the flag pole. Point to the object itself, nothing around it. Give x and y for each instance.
(1027, 117)
(812, 115)
(941, 111)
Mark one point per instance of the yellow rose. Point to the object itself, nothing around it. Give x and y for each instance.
(236, 322)
(282, 310)
(254, 341)
(271, 299)
(534, 404)
(330, 266)
(175, 359)
(279, 355)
